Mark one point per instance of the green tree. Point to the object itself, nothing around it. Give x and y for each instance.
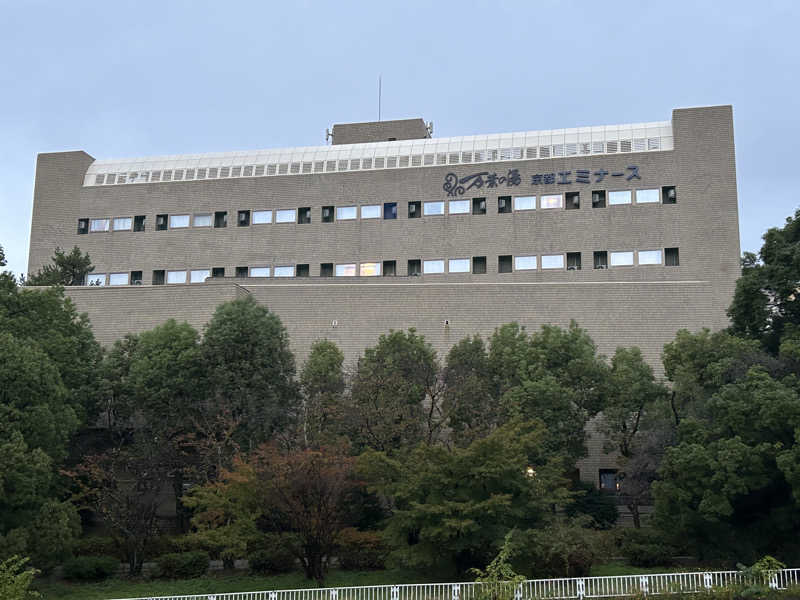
(16, 580)
(66, 269)
(322, 383)
(116, 393)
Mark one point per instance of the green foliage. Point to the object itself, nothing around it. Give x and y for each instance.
(2, 257)
(322, 384)
(183, 565)
(499, 579)
(274, 553)
(646, 548)
(15, 579)
(361, 550)
(90, 568)
(559, 549)
(96, 545)
(599, 506)
(66, 269)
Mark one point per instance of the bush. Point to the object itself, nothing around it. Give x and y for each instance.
(183, 565)
(273, 553)
(97, 545)
(598, 505)
(360, 550)
(90, 568)
(562, 549)
(646, 548)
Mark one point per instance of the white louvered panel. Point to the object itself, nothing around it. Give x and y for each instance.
(441, 158)
(366, 163)
(247, 171)
(558, 149)
(111, 178)
(343, 165)
(213, 172)
(516, 153)
(505, 154)
(530, 152)
(625, 146)
(653, 143)
(466, 157)
(586, 148)
(428, 160)
(201, 173)
(544, 151)
(121, 178)
(416, 160)
(155, 176)
(283, 168)
(144, 176)
(598, 147)
(330, 166)
(491, 154)
(453, 158)
(294, 168)
(177, 175)
(611, 147)
(355, 164)
(307, 167)
(259, 170)
(189, 173)
(224, 172)
(319, 166)
(272, 169)
(99, 179)
(480, 155)
(403, 161)
(380, 162)
(571, 149)
(391, 162)
(639, 144)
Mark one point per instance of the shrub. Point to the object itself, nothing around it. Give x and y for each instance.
(272, 553)
(562, 549)
(97, 545)
(598, 505)
(646, 548)
(90, 568)
(360, 550)
(183, 565)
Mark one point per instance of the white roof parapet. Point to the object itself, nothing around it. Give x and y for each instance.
(431, 152)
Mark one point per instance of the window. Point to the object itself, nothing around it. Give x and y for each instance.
(83, 226)
(432, 267)
(573, 200)
(553, 261)
(550, 201)
(199, 275)
(671, 257)
(371, 211)
(415, 267)
(599, 199)
(504, 264)
(326, 270)
(304, 215)
(136, 278)
(649, 257)
(621, 259)
(390, 210)
(504, 204)
(176, 276)
(123, 223)
(303, 270)
(202, 220)
(118, 279)
(608, 480)
(327, 214)
(161, 222)
(178, 221)
(601, 259)
(287, 215)
(414, 210)
(573, 261)
(647, 196)
(138, 223)
(479, 206)
(433, 208)
(262, 217)
(479, 265)
(525, 203)
(345, 213)
(243, 218)
(458, 265)
(524, 263)
(98, 225)
(221, 219)
(241, 272)
(389, 268)
(218, 272)
(348, 270)
(458, 207)
(668, 195)
(623, 197)
(159, 277)
(96, 279)
(259, 271)
(372, 269)
(286, 271)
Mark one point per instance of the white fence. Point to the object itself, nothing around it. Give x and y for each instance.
(549, 589)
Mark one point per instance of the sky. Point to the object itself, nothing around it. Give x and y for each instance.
(123, 79)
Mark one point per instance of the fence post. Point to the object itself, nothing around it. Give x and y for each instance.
(518, 592)
(581, 588)
(334, 594)
(707, 580)
(643, 581)
(773, 581)
(273, 596)
(456, 591)
(395, 592)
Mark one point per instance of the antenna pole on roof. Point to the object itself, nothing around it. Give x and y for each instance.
(379, 97)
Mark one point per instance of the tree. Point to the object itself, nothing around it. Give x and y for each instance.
(394, 400)
(116, 394)
(2, 257)
(322, 384)
(250, 370)
(66, 269)
(16, 580)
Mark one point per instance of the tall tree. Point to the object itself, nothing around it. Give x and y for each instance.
(66, 269)
(322, 383)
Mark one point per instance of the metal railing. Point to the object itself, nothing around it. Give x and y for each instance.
(613, 586)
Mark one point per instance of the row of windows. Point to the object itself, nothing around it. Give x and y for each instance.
(387, 211)
(477, 265)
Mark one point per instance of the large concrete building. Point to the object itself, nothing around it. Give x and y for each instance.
(631, 230)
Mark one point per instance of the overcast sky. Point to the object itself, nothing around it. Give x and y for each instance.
(121, 79)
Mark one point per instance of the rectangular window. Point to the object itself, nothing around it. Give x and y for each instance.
(159, 277)
(118, 279)
(98, 225)
(136, 278)
(345, 213)
(178, 221)
(524, 263)
(433, 208)
(176, 276)
(504, 204)
(287, 215)
(372, 269)
(304, 215)
(326, 270)
(608, 480)
(525, 203)
(218, 272)
(414, 210)
(303, 270)
(647, 196)
(96, 279)
(479, 206)
(221, 219)
(286, 271)
(199, 275)
(138, 223)
(83, 226)
(123, 223)
(432, 267)
(479, 265)
(668, 195)
(504, 264)
(327, 214)
(599, 199)
(601, 259)
(573, 200)
(241, 272)
(161, 222)
(390, 210)
(202, 220)
(259, 271)
(553, 261)
(262, 217)
(414, 267)
(573, 261)
(389, 268)
(623, 197)
(671, 258)
(621, 259)
(243, 218)
(371, 211)
(550, 201)
(458, 207)
(649, 257)
(458, 265)
(348, 270)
